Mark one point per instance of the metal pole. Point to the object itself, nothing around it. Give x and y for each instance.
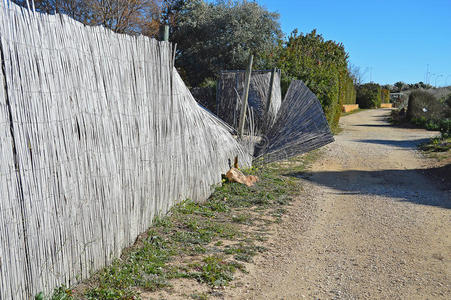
(245, 96)
(446, 80)
(437, 77)
(431, 80)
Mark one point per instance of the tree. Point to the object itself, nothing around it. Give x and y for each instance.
(122, 16)
(356, 74)
(388, 87)
(219, 36)
(399, 85)
(75, 9)
(170, 11)
(423, 85)
(321, 64)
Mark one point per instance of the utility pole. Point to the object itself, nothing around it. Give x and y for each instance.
(430, 78)
(446, 80)
(437, 77)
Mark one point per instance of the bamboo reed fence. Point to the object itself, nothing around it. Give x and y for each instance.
(281, 130)
(98, 135)
(300, 126)
(261, 93)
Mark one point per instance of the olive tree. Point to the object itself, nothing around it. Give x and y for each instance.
(215, 36)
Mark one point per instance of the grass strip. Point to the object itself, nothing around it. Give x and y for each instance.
(207, 242)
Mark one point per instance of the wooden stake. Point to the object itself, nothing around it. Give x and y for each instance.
(271, 84)
(166, 33)
(245, 96)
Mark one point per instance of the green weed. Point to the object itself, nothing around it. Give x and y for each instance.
(59, 293)
(202, 296)
(438, 144)
(194, 233)
(215, 271)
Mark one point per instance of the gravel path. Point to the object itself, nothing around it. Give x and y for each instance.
(369, 225)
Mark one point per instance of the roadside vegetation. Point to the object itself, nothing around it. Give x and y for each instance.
(426, 111)
(437, 144)
(369, 95)
(372, 95)
(321, 64)
(205, 242)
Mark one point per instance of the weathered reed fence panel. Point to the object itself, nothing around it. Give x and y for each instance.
(300, 126)
(98, 135)
(231, 89)
(14, 273)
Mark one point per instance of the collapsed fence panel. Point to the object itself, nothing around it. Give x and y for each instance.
(264, 89)
(300, 126)
(98, 136)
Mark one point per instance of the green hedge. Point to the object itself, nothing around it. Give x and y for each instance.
(322, 65)
(385, 96)
(350, 94)
(369, 95)
(447, 102)
(442, 125)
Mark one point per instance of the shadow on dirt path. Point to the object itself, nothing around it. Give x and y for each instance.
(369, 224)
(401, 185)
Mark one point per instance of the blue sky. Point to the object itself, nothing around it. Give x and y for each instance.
(393, 40)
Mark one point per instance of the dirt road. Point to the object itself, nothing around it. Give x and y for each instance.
(369, 225)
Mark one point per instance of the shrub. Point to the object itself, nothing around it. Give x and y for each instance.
(442, 125)
(445, 127)
(385, 96)
(424, 105)
(349, 95)
(399, 100)
(369, 95)
(447, 102)
(323, 67)
(425, 111)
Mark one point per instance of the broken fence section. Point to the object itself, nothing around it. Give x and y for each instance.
(264, 89)
(281, 130)
(300, 126)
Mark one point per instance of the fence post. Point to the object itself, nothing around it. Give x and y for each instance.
(271, 84)
(164, 34)
(245, 96)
